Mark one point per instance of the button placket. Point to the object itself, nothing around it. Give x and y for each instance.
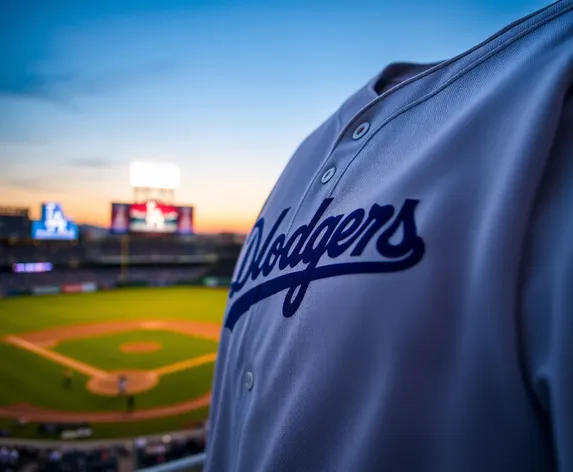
(345, 154)
(361, 130)
(249, 380)
(328, 174)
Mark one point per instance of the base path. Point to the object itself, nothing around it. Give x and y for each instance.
(55, 357)
(37, 415)
(186, 364)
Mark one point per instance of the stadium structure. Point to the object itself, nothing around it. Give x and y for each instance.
(83, 307)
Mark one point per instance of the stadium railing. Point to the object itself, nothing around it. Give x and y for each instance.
(191, 463)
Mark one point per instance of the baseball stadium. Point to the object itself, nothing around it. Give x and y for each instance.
(108, 336)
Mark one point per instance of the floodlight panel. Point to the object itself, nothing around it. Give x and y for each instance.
(154, 175)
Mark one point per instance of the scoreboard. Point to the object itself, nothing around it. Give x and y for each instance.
(151, 216)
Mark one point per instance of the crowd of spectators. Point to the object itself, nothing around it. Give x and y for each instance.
(11, 459)
(64, 459)
(137, 454)
(104, 459)
(156, 452)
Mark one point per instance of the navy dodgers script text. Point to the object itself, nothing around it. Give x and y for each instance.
(333, 237)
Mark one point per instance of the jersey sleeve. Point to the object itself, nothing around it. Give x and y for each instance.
(546, 311)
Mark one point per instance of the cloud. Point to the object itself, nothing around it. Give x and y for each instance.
(31, 82)
(90, 163)
(21, 81)
(127, 76)
(29, 85)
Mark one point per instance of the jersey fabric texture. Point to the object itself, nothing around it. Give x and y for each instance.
(404, 301)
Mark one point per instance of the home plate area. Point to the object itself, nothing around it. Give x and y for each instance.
(136, 381)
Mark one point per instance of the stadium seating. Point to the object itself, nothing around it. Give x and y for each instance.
(103, 459)
(150, 453)
(113, 457)
(102, 276)
(11, 459)
(57, 252)
(158, 261)
(13, 226)
(160, 452)
(143, 247)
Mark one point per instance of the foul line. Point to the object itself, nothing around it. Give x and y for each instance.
(92, 371)
(54, 356)
(196, 361)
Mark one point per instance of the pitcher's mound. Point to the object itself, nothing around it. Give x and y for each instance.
(137, 381)
(141, 347)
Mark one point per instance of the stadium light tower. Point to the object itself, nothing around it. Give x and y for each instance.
(154, 181)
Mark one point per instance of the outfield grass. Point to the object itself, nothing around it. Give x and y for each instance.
(27, 377)
(18, 315)
(104, 352)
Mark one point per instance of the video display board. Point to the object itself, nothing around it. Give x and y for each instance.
(54, 225)
(151, 216)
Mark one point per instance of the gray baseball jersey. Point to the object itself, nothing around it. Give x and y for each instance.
(404, 301)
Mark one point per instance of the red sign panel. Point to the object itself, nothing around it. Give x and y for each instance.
(151, 217)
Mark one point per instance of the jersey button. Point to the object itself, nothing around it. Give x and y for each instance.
(361, 130)
(249, 381)
(328, 175)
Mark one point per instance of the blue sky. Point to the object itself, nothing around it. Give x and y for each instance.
(224, 89)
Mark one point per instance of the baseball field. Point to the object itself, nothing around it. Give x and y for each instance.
(61, 357)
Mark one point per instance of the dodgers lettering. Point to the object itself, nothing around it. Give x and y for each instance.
(333, 236)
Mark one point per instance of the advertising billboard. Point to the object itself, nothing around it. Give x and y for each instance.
(119, 218)
(151, 216)
(54, 224)
(32, 267)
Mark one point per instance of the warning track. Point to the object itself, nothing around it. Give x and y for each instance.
(35, 414)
